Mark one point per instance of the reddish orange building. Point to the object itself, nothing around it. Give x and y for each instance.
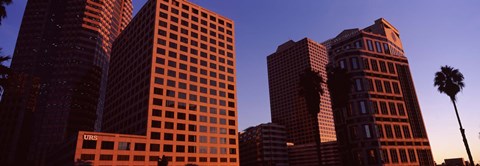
(383, 124)
(171, 91)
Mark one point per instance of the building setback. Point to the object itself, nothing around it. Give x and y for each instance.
(382, 125)
(64, 46)
(171, 91)
(288, 106)
(265, 144)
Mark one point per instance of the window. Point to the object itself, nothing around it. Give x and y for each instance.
(124, 146)
(192, 149)
(383, 107)
(396, 88)
(358, 85)
(354, 63)
(368, 134)
(89, 144)
(388, 130)
(106, 157)
(401, 109)
(391, 68)
(342, 64)
(180, 149)
(213, 140)
(363, 108)
(379, 47)
(388, 87)
(167, 148)
(411, 155)
(192, 138)
(379, 130)
(394, 155)
(123, 157)
(406, 131)
(385, 158)
(154, 135)
(379, 86)
(398, 132)
(107, 145)
(358, 44)
(154, 147)
(385, 47)
(374, 64)
(213, 120)
(370, 45)
(203, 149)
(203, 129)
(168, 136)
(383, 66)
(393, 109)
(139, 147)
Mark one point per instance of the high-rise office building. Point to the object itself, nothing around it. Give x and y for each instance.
(289, 108)
(65, 45)
(382, 124)
(265, 144)
(171, 91)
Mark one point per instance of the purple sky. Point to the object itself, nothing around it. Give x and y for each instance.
(434, 33)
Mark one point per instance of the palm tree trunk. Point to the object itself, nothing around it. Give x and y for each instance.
(463, 134)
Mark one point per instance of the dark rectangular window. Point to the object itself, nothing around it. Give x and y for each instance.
(107, 145)
(106, 157)
(370, 45)
(168, 148)
(139, 146)
(154, 147)
(89, 144)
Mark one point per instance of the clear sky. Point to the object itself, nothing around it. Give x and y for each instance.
(434, 33)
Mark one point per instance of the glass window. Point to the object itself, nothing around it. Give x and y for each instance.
(139, 146)
(363, 108)
(107, 145)
(89, 144)
(370, 45)
(368, 134)
(124, 146)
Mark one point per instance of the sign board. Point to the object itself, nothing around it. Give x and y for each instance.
(90, 137)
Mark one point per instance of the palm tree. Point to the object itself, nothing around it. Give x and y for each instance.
(311, 89)
(4, 71)
(450, 81)
(3, 11)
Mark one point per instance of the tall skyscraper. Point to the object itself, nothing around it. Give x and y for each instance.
(289, 108)
(382, 124)
(171, 91)
(65, 45)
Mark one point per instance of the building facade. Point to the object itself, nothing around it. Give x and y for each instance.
(171, 86)
(265, 144)
(288, 107)
(382, 124)
(66, 45)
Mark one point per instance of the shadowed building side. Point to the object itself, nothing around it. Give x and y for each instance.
(288, 107)
(382, 123)
(66, 45)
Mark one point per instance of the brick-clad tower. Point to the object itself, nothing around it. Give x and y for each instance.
(383, 124)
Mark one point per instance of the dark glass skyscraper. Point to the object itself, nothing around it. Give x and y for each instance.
(65, 46)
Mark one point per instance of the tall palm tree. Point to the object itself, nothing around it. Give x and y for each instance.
(3, 11)
(311, 89)
(450, 81)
